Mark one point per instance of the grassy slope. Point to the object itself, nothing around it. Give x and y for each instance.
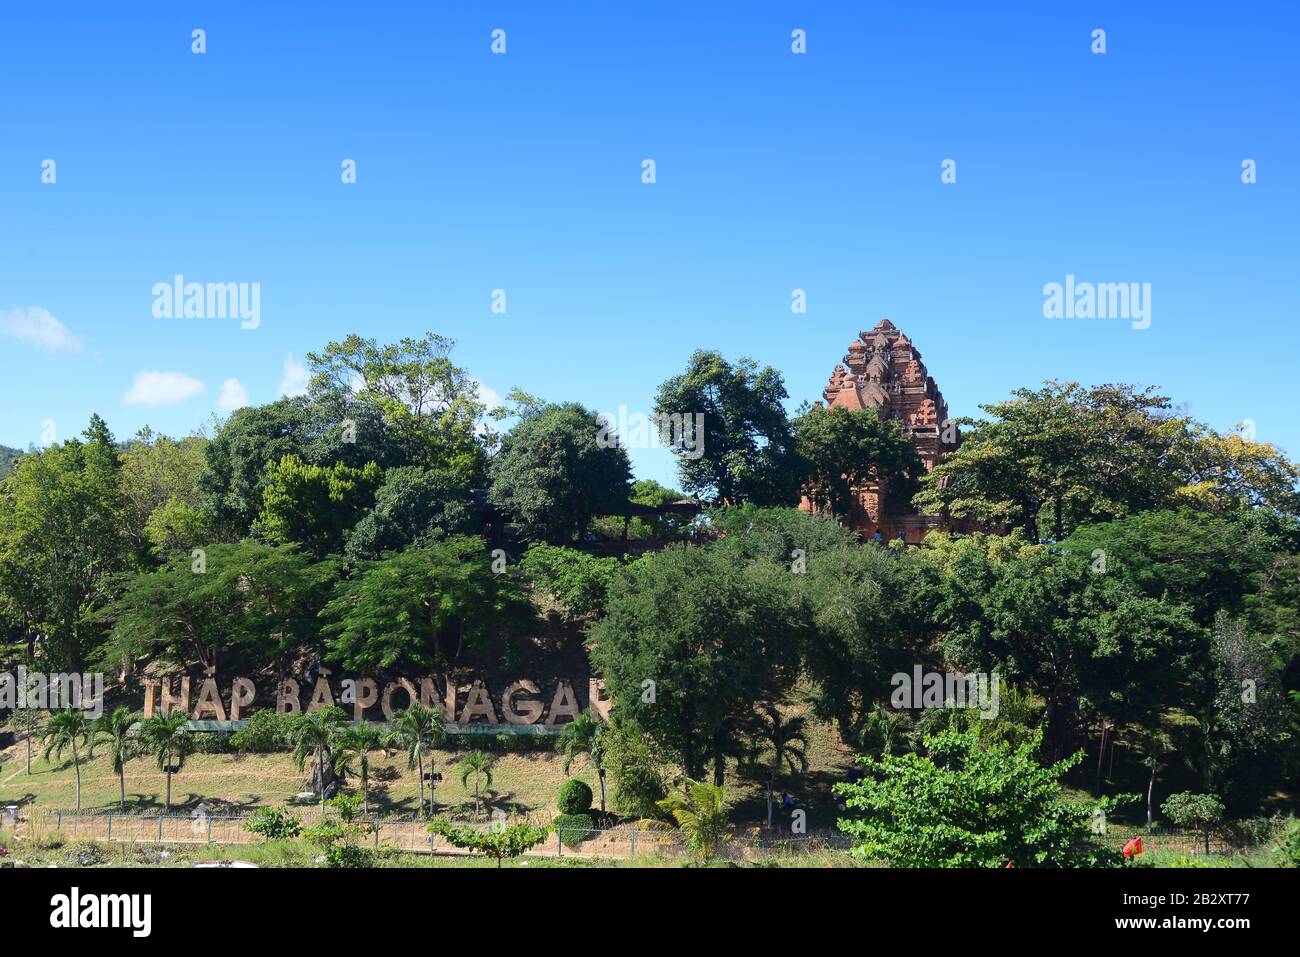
(524, 783)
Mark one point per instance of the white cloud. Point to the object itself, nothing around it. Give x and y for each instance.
(490, 398)
(36, 326)
(233, 396)
(295, 377)
(162, 388)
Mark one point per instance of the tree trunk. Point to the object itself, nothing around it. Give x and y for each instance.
(1151, 790)
(600, 773)
(1101, 755)
(769, 802)
(76, 764)
(365, 790)
(121, 789)
(167, 807)
(419, 758)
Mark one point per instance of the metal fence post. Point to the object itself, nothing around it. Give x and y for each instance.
(559, 845)
(209, 830)
(58, 821)
(160, 819)
(633, 852)
(110, 825)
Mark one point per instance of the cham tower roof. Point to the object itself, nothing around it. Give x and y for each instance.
(882, 369)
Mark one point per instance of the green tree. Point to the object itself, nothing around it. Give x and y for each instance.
(637, 764)
(1072, 635)
(67, 729)
(552, 475)
(700, 812)
(112, 731)
(418, 731)
(477, 765)
(963, 805)
(253, 602)
(869, 614)
(237, 458)
(690, 640)
(428, 401)
(1199, 812)
(315, 505)
(1063, 456)
(62, 545)
(786, 737)
(315, 734)
(578, 582)
(841, 449)
(421, 606)
(162, 503)
(166, 737)
(498, 843)
(582, 736)
(352, 750)
(748, 444)
(413, 507)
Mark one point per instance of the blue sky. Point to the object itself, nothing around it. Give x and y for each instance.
(522, 172)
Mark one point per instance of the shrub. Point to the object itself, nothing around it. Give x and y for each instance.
(1200, 812)
(575, 797)
(963, 805)
(266, 731)
(212, 742)
(347, 855)
(573, 828)
(274, 824)
(499, 843)
(1286, 852)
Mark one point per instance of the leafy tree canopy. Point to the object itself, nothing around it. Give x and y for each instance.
(748, 444)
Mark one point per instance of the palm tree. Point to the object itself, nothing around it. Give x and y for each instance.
(168, 740)
(583, 736)
(788, 741)
(353, 745)
(314, 734)
(701, 815)
(67, 729)
(113, 731)
(418, 731)
(477, 765)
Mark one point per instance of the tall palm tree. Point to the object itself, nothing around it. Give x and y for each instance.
(67, 729)
(701, 814)
(478, 765)
(314, 734)
(788, 741)
(113, 731)
(418, 731)
(170, 743)
(353, 746)
(583, 736)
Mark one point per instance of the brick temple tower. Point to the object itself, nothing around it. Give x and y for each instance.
(883, 370)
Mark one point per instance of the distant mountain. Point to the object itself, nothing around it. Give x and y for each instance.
(7, 458)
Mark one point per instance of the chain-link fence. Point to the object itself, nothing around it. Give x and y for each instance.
(405, 835)
(413, 836)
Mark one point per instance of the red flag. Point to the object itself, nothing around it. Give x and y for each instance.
(1133, 847)
(1008, 864)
